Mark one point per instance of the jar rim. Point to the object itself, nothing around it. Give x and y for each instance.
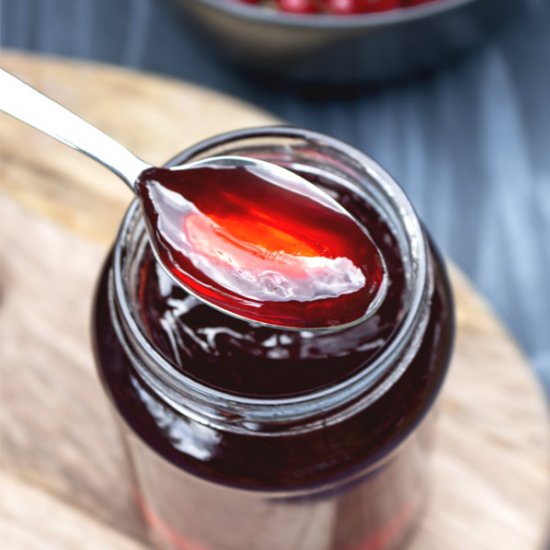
(249, 413)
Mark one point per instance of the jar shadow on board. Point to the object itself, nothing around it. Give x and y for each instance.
(247, 437)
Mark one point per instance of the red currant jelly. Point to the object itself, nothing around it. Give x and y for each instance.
(249, 437)
(263, 244)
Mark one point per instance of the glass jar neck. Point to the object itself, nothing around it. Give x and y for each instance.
(317, 408)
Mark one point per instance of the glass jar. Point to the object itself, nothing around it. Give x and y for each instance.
(247, 438)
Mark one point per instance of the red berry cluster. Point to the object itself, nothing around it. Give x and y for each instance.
(337, 7)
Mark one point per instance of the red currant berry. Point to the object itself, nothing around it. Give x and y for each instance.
(351, 7)
(343, 7)
(298, 6)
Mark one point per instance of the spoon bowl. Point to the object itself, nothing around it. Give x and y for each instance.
(273, 259)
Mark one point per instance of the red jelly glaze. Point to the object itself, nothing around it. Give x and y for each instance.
(261, 250)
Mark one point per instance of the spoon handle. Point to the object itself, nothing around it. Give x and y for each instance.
(28, 105)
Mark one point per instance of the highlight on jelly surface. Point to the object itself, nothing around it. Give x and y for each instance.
(269, 249)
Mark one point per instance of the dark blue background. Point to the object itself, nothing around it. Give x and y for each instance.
(470, 143)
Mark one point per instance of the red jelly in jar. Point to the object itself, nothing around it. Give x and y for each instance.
(249, 437)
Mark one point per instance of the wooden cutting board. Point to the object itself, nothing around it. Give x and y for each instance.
(65, 482)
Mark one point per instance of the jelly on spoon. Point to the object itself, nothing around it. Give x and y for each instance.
(248, 237)
(259, 241)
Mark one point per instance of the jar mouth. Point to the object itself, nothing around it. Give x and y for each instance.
(254, 414)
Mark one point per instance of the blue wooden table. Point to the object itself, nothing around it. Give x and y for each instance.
(470, 143)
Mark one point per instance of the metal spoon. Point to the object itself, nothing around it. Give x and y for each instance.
(28, 105)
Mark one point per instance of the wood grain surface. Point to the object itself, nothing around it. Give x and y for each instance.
(65, 481)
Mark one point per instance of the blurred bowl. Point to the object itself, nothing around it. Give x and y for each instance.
(368, 47)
